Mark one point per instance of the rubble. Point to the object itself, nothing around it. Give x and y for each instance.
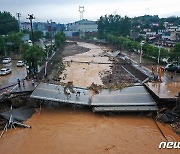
(117, 78)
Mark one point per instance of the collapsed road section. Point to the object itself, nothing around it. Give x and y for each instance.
(135, 98)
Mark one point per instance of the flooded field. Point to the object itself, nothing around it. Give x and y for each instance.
(66, 130)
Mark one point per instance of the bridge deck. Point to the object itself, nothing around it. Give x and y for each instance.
(166, 91)
(52, 92)
(131, 96)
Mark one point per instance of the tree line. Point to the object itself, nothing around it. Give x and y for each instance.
(149, 51)
(115, 29)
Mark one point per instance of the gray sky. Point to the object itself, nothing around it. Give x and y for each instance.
(65, 11)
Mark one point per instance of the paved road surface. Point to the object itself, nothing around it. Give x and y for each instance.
(131, 96)
(17, 72)
(147, 64)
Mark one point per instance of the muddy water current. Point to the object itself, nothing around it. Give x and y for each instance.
(66, 130)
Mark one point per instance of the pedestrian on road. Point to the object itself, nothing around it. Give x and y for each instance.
(68, 93)
(7, 91)
(19, 82)
(32, 82)
(160, 74)
(153, 69)
(23, 82)
(78, 93)
(171, 77)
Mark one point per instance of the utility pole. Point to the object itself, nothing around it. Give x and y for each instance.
(51, 33)
(141, 52)
(32, 67)
(81, 11)
(19, 15)
(159, 47)
(30, 19)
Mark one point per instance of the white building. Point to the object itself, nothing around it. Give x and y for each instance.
(83, 26)
(151, 34)
(25, 26)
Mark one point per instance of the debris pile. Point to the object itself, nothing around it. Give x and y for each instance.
(171, 117)
(118, 78)
(95, 88)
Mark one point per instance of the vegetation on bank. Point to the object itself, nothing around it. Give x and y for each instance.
(33, 55)
(8, 23)
(113, 24)
(149, 51)
(115, 29)
(59, 39)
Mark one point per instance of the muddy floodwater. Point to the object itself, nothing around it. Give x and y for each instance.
(80, 131)
(84, 74)
(66, 130)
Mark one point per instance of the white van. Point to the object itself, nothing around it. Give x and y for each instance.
(30, 42)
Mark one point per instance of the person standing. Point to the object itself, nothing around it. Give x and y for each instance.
(33, 82)
(78, 93)
(23, 82)
(153, 69)
(19, 82)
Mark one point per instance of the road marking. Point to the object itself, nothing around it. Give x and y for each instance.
(124, 103)
(13, 88)
(130, 94)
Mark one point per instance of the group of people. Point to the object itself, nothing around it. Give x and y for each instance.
(19, 82)
(159, 76)
(68, 93)
(23, 82)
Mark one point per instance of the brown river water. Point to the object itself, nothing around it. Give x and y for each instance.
(66, 130)
(74, 131)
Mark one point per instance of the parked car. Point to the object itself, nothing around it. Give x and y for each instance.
(30, 43)
(6, 60)
(172, 68)
(20, 63)
(5, 71)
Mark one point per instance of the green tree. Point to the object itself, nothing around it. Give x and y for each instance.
(59, 39)
(164, 53)
(2, 45)
(123, 42)
(37, 35)
(14, 41)
(34, 55)
(8, 23)
(25, 31)
(48, 35)
(113, 24)
(175, 53)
